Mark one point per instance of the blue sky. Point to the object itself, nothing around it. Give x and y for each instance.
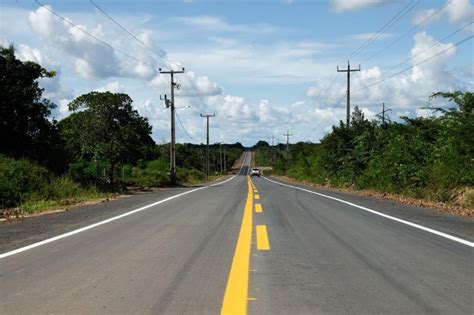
(264, 67)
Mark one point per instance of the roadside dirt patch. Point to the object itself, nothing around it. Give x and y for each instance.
(458, 208)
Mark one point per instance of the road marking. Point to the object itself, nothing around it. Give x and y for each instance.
(258, 208)
(255, 191)
(235, 297)
(251, 299)
(257, 197)
(58, 237)
(418, 226)
(49, 240)
(262, 238)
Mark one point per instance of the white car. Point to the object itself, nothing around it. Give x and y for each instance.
(255, 172)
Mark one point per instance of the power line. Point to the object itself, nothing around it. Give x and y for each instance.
(400, 14)
(93, 36)
(417, 64)
(184, 129)
(435, 44)
(404, 11)
(160, 53)
(409, 31)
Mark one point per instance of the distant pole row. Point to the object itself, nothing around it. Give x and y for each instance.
(207, 143)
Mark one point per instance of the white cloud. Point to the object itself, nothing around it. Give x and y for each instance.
(189, 85)
(91, 58)
(352, 5)
(405, 93)
(113, 87)
(454, 11)
(53, 89)
(413, 88)
(219, 25)
(367, 36)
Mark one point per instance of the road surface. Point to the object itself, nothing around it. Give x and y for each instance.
(242, 245)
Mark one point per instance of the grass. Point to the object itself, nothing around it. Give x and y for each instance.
(42, 205)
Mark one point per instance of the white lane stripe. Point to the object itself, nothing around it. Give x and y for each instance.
(55, 238)
(49, 240)
(418, 226)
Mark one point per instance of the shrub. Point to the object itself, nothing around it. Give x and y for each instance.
(21, 180)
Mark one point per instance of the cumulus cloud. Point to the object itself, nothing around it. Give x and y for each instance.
(91, 58)
(53, 89)
(414, 87)
(405, 92)
(454, 11)
(189, 84)
(113, 87)
(352, 5)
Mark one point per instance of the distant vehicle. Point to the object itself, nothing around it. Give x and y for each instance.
(255, 172)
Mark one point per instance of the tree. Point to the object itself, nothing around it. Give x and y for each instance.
(24, 125)
(104, 126)
(465, 101)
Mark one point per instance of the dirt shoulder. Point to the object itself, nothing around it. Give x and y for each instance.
(439, 206)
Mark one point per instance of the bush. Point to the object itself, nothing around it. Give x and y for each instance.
(21, 180)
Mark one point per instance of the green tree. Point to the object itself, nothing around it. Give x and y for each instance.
(465, 100)
(24, 125)
(104, 126)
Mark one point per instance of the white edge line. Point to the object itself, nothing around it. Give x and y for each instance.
(418, 226)
(85, 228)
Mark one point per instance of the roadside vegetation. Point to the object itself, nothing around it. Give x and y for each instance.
(430, 158)
(104, 147)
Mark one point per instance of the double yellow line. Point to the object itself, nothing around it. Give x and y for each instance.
(236, 293)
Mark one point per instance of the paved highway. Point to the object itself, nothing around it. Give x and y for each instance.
(239, 246)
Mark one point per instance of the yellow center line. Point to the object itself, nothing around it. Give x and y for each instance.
(258, 208)
(257, 197)
(262, 238)
(236, 292)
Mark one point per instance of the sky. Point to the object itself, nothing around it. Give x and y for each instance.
(263, 68)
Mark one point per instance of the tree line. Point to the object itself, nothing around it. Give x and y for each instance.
(425, 157)
(104, 145)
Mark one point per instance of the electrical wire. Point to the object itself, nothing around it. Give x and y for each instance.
(409, 31)
(437, 43)
(182, 127)
(402, 13)
(93, 36)
(417, 64)
(160, 54)
(397, 17)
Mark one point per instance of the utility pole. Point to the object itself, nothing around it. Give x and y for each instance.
(287, 134)
(220, 155)
(348, 100)
(225, 162)
(207, 144)
(383, 113)
(170, 103)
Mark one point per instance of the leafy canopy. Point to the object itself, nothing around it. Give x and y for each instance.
(104, 126)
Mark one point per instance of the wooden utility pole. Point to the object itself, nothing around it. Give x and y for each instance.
(170, 104)
(287, 134)
(348, 100)
(207, 144)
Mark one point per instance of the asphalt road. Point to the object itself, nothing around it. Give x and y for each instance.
(239, 246)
